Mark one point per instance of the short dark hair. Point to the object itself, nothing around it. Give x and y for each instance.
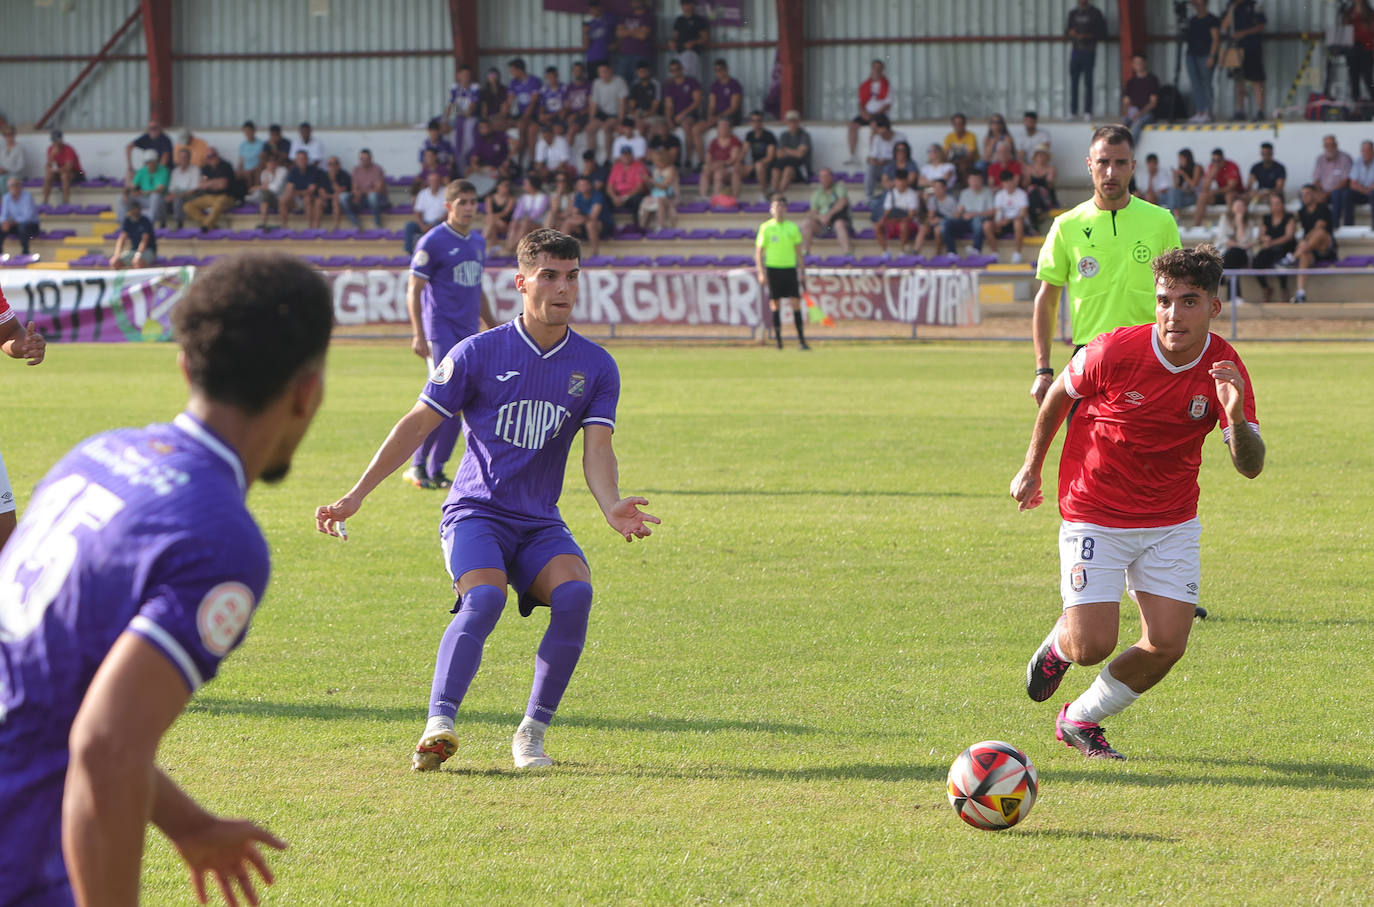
(1152, 158)
(720, 61)
(555, 243)
(1269, 145)
(248, 124)
(1007, 174)
(517, 62)
(1030, 113)
(249, 324)
(1200, 267)
(881, 121)
(1112, 134)
(1219, 151)
(550, 69)
(457, 188)
(275, 127)
(777, 197)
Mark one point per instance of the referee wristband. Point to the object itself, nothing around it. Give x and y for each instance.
(1043, 371)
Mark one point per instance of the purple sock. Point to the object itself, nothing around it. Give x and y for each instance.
(460, 650)
(422, 452)
(561, 647)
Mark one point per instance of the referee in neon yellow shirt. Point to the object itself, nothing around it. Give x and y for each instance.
(781, 266)
(1102, 251)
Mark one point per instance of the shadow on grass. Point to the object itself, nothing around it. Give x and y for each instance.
(1300, 775)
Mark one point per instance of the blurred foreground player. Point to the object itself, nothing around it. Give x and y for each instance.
(446, 304)
(1128, 489)
(18, 342)
(135, 571)
(524, 389)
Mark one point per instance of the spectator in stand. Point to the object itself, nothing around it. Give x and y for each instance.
(975, 209)
(1084, 28)
(553, 97)
(591, 215)
(901, 208)
(658, 210)
(1361, 183)
(1039, 179)
(900, 160)
(1318, 242)
(560, 200)
(1360, 17)
(1331, 176)
(937, 169)
(1202, 36)
(154, 140)
(940, 206)
(1245, 22)
(436, 142)
(217, 191)
(1030, 138)
(627, 136)
(664, 139)
(1236, 231)
(875, 98)
(724, 160)
(136, 243)
(996, 136)
(682, 104)
(336, 194)
(1267, 175)
(196, 145)
(1154, 186)
(598, 35)
(500, 210)
(635, 35)
(724, 98)
(271, 186)
(303, 185)
(249, 164)
(628, 183)
(1004, 161)
(763, 148)
(277, 143)
(880, 150)
(610, 95)
(552, 154)
(490, 153)
(961, 146)
(691, 37)
(491, 100)
(147, 186)
(18, 216)
(369, 185)
(530, 210)
(577, 101)
(1010, 207)
(793, 160)
(1220, 185)
(429, 209)
(522, 105)
(313, 147)
(594, 173)
(829, 213)
(646, 95)
(1140, 98)
(182, 185)
(1278, 228)
(461, 113)
(62, 167)
(1186, 182)
(11, 153)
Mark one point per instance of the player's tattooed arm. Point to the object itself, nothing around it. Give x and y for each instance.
(1247, 449)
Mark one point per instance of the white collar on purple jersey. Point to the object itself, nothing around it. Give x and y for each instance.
(520, 329)
(1159, 354)
(191, 426)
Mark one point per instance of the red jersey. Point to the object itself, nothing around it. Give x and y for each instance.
(1134, 446)
(6, 313)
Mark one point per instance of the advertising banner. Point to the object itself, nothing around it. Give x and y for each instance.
(102, 306)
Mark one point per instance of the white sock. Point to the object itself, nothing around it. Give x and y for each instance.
(538, 726)
(438, 723)
(1054, 643)
(1106, 697)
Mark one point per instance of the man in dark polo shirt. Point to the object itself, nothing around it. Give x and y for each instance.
(1139, 98)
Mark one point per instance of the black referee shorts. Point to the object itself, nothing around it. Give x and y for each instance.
(782, 283)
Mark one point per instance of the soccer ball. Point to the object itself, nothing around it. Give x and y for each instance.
(992, 785)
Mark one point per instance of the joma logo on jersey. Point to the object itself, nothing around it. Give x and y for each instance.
(577, 384)
(1197, 408)
(530, 423)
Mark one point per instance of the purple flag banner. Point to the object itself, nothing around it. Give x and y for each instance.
(97, 306)
(720, 12)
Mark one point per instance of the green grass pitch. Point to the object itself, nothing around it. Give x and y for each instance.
(841, 598)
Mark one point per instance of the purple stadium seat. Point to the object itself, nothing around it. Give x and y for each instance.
(399, 180)
(597, 261)
(1354, 261)
(186, 233)
(313, 259)
(670, 233)
(837, 261)
(737, 233)
(245, 236)
(908, 261)
(55, 234)
(668, 261)
(701, 261)
(865, 233)
(90, 210)
(398, 261)
(370, 234)
(689, 178)
(19, 261)
(942, 261)
(311, 233)
(798, 207)
(180, 261)
(402, 208)
(397, 235)
(334, 235)
(338, 261)
(216, 234)
(755, 208)
(700, 206)
(634, 261)
(245, 210)
(701, 233)
(111, 236)
(859, 205)
(371, 261)
(871, 261)
(735, 261)
(34, 183)
(98, 182)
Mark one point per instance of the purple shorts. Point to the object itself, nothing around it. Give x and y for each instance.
(519, 547)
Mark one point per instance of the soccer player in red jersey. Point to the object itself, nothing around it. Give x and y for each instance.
(1128, 489)
(17, 342)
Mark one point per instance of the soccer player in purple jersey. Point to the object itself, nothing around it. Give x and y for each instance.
(446, 304)
(133, 574)
(522, 103)
(524, 388)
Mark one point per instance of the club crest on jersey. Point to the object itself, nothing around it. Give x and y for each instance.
(1078, 578)
(577, 384)
(1197, 407)
(442, 372)
(1088, 266)
(222, 615)
(421, 258)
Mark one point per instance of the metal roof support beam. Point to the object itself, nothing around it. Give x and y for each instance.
(792, 54)
(157, 38)
(1131, 14)
(462, 16)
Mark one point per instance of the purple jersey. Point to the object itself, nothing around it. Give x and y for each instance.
(600, 34)
(523, 92)
(465, 99)
(521, 408)
(578, 97)
(492, 149)
(680, 93)
(552, 97)
(136, 530)
(724, 92)
(640, 48)
(450, 264)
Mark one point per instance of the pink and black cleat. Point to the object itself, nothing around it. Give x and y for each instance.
(1087, 738)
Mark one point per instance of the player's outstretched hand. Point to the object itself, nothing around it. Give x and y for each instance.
(1230, 385)
(631, 522)
(419, 346)
(1040, 387)
(226, 848)
(1025, 489)
(32, 346)
(329, 518)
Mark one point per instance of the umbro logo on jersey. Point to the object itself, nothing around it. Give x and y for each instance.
(507, 376)
(1135, 397)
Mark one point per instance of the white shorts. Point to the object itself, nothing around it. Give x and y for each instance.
(6, 492)
(1097, 562)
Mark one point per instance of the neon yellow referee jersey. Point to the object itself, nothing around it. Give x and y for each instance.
(780, 241)
(1104, 257)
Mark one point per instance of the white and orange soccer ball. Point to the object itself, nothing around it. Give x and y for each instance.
(992, 785)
